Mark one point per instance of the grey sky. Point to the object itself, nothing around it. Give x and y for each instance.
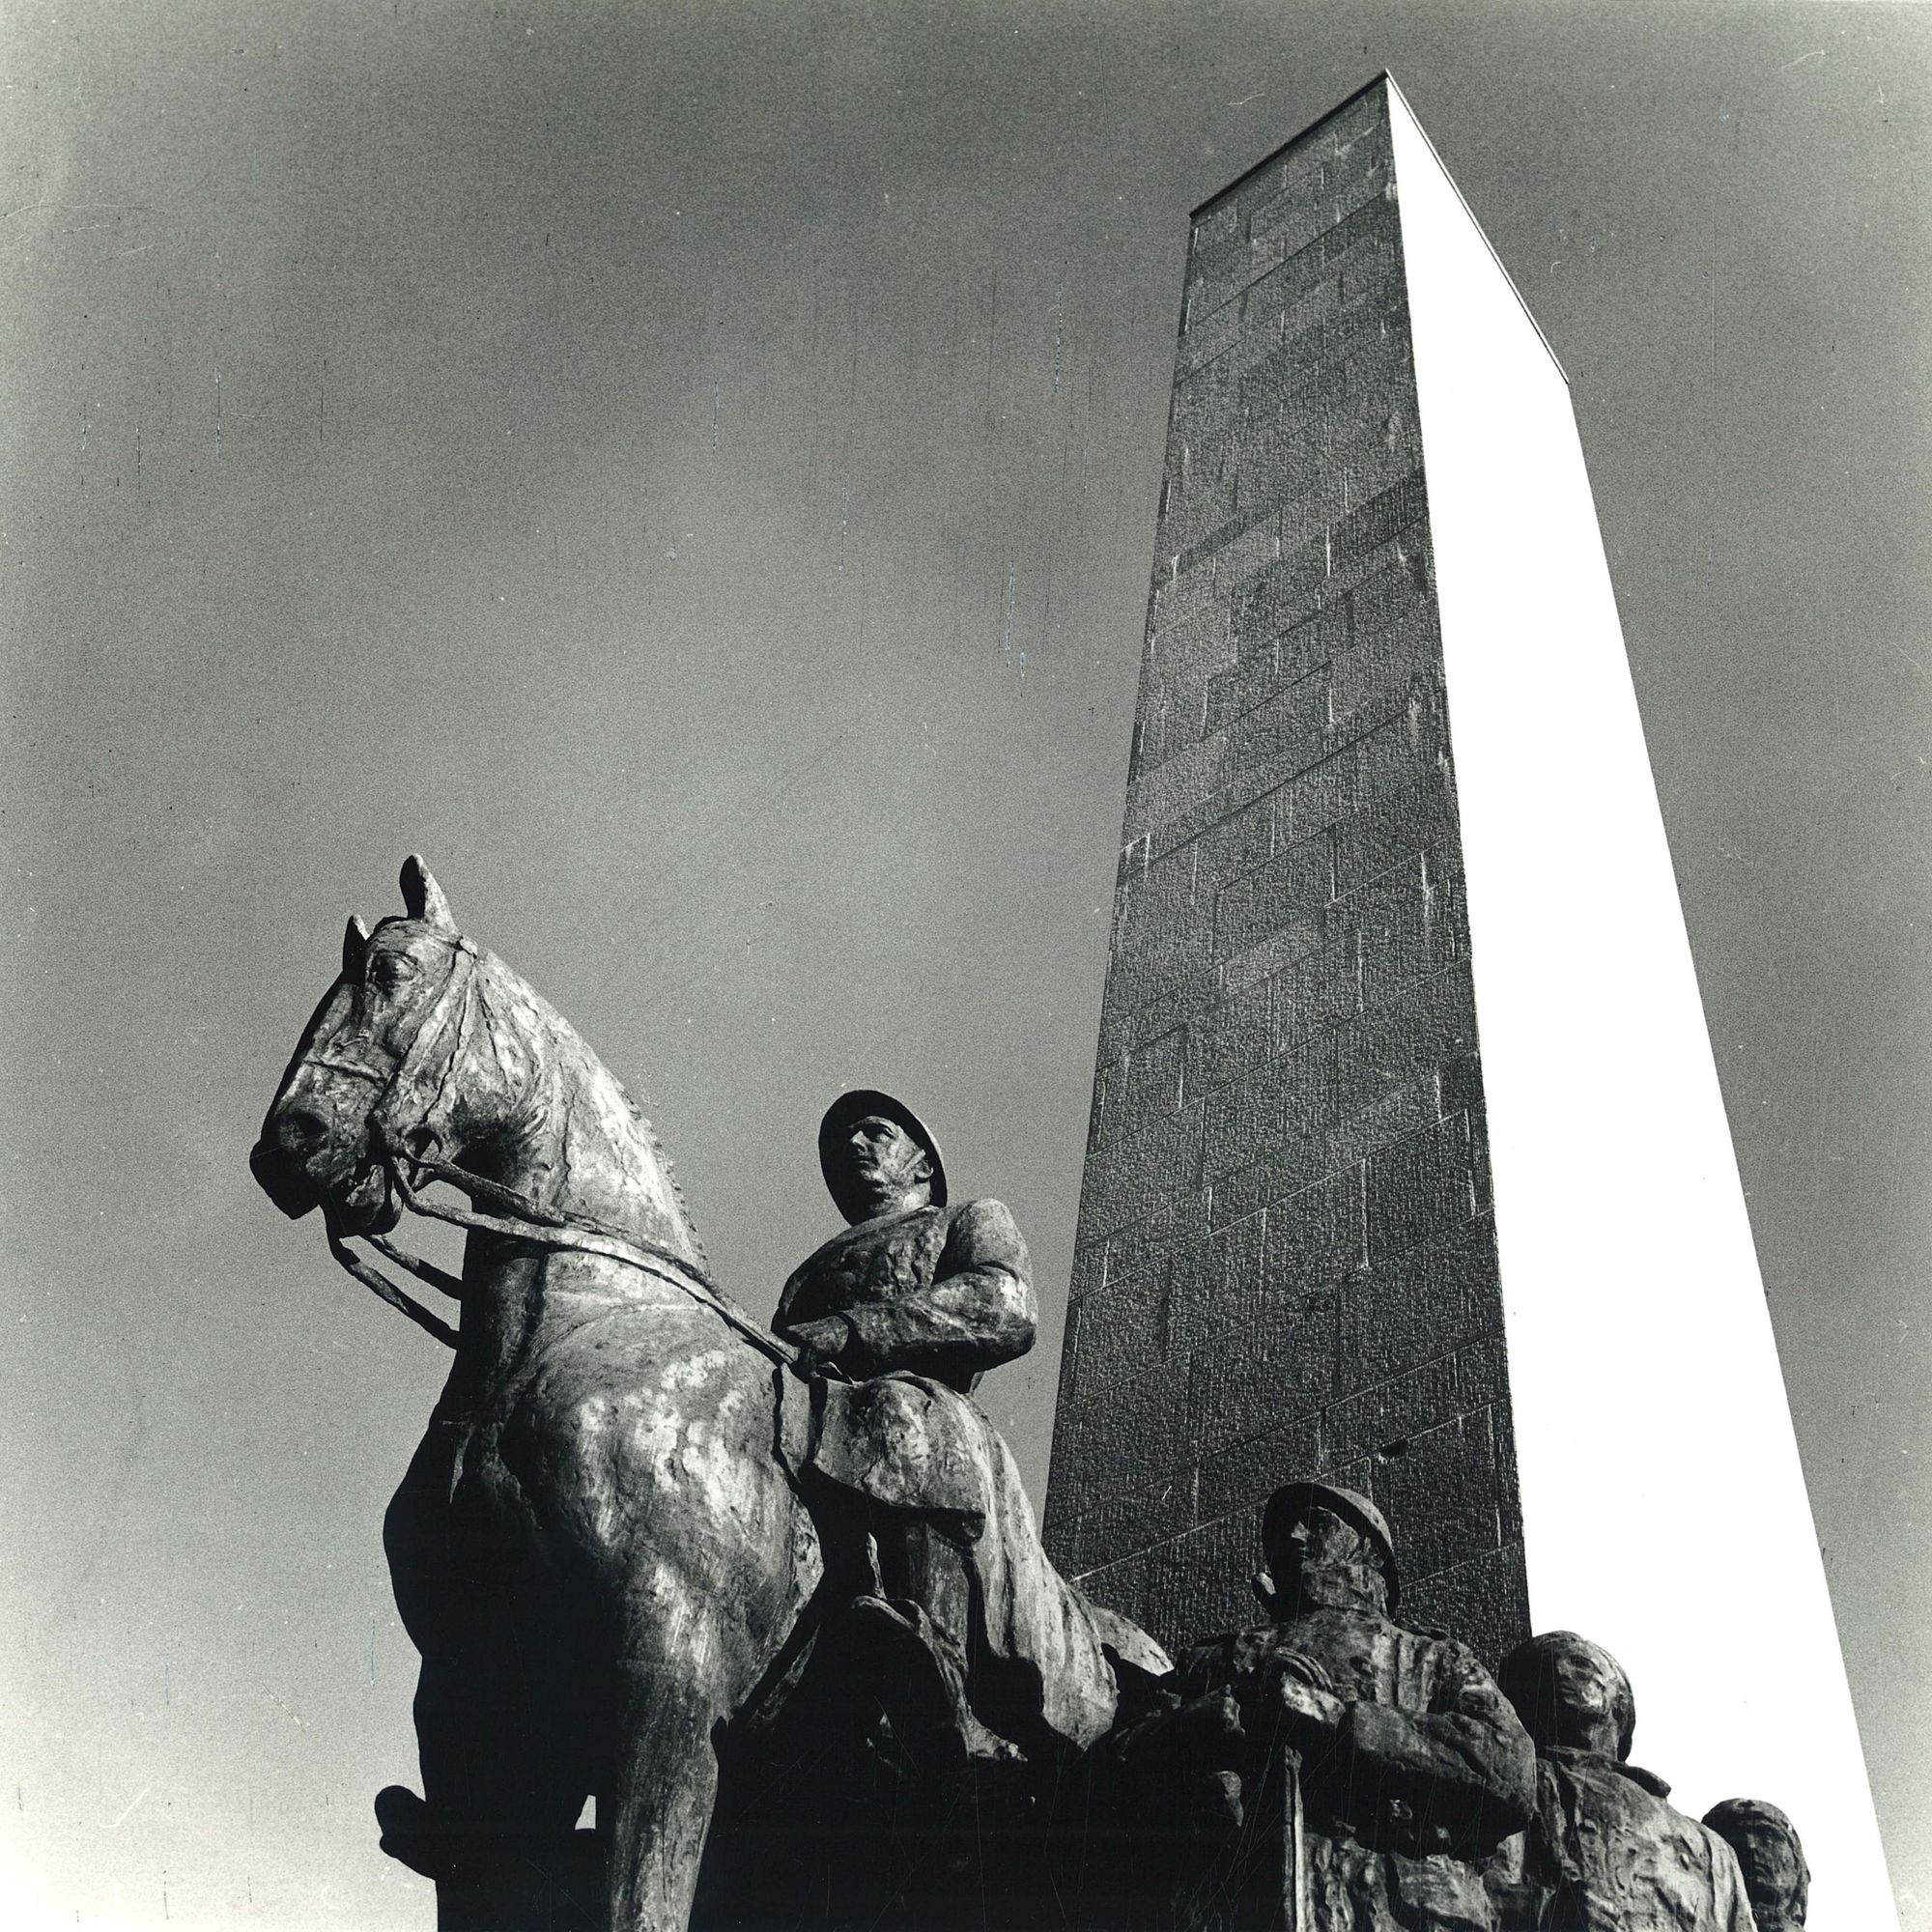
(690, 470)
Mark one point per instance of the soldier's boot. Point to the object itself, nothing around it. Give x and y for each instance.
(923, 1687)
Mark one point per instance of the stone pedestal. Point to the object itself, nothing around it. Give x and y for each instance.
(1396, 913)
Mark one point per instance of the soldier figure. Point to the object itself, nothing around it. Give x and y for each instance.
(1607, 1853)
(1776, 1879)
(986, 1652)
(1383, 1758)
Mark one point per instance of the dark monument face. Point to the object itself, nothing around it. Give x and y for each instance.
(1325, 1545)
(886, 1167)
(875, 1153)
(1287, 1256)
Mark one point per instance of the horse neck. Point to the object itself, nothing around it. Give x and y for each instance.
(595, 1158)
(565, 1134)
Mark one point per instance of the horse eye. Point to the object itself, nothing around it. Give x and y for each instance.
(389, 970)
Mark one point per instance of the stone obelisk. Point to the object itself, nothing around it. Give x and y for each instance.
(1408, 1165)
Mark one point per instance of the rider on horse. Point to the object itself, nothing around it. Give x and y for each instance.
(630, 1543)
(984, 1650)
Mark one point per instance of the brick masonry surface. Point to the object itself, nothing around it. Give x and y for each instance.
(1286, 1263)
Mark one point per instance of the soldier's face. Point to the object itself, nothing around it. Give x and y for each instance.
(886, 1164)
(1581, 1701)
(1320, 1538)
(1770, 1864)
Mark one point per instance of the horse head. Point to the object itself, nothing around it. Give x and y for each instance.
(377, 1072)
(429, 1048)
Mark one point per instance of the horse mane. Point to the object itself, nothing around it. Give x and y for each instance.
(662, 1157)
(563, 1032)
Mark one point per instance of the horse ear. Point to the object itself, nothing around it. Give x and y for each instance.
(355, 945)
(422, 895)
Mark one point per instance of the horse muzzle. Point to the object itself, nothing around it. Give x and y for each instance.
(300, 1163)
(364, 1202)
(280, 1161)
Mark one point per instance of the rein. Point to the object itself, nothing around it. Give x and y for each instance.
(520, 1219)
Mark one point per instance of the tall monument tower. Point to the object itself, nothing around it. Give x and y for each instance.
(1408, 1165)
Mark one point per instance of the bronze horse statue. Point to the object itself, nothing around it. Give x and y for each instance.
(600, 1549)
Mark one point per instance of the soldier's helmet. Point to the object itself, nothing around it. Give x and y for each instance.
(1293, 1501)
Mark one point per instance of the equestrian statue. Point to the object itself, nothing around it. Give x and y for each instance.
(748, 1590)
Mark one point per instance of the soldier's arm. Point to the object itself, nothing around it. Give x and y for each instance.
(978, 1311)
(1466, 1764)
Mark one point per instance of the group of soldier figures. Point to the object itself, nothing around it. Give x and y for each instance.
(1398, 1785)
(1330, 1770)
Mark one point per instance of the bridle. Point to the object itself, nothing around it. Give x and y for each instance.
(408, 1169)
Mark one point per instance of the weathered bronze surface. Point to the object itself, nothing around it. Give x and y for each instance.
(605, 1549)
(1769, 1853)
(1606, 1852)
(1378, 1766)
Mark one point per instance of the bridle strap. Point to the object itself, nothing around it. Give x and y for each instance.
(450, 1284)
(379, 1285)
(461, 978)
(540, 1228)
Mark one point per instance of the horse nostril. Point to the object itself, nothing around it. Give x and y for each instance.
(298, 1131)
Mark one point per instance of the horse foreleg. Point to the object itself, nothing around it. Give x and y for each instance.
(502, 1788)
(665, 1787)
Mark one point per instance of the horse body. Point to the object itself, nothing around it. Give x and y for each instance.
(596, 1547)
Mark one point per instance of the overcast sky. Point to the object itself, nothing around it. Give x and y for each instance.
(690, 470)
